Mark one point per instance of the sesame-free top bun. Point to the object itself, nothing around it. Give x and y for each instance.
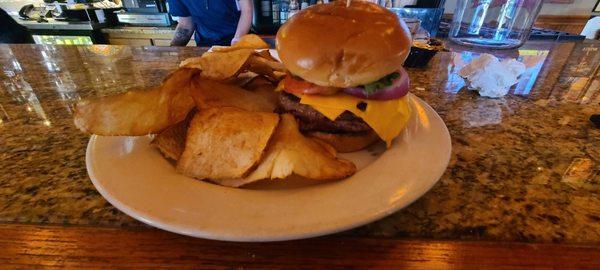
(335, 45)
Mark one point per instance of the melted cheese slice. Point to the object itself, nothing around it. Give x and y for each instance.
(386, 117)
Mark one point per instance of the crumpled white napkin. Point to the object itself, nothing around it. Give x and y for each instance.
(491, 77)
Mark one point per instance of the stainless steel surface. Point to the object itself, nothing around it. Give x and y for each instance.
(157, 19)
(58, 25)
(12, 7)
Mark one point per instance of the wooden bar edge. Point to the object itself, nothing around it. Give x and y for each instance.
(25, 246)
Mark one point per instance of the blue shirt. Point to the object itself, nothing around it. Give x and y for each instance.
(215, 21)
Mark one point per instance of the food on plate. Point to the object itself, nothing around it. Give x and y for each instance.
(258, 82)
(263, 87)
(141, 112)
(290, 152)
(242, 78)
(171, 141)
(352, 86)
(212, 94)
(250, 41)
(267, 55)
(216, 118)
(273, 70)
(223, 62)
(224, 143)
(219, 65)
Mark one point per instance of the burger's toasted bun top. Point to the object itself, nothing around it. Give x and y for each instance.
(335, 45)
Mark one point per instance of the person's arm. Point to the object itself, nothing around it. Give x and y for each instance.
(245, 21)
(183, 32)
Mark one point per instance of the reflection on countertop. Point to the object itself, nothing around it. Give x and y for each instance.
(524, 167)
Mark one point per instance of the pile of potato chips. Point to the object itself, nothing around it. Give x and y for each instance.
(214, 117)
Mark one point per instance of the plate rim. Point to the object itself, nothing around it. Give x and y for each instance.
(207, 234)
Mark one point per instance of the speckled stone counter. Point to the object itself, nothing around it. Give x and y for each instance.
(524, 168)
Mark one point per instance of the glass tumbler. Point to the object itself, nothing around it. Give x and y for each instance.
(498, 24)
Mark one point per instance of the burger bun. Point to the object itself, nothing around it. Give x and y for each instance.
(339, 46)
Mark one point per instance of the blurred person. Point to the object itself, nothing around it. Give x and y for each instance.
(215, 22)
(11, 31)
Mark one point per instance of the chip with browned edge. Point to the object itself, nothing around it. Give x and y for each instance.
(274, 70)
(257, 82)
(212, 94)
(263, 87)
(226, 142)
(242, 78)
(249, 41)
(266, 54)
(219, 65)
(137, 113)
(291, 152)
(171, 141)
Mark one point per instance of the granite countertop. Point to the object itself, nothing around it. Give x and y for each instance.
(525, 167)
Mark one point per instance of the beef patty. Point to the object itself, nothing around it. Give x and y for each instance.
(312, 120)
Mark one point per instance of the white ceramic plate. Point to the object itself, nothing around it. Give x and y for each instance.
(137, 180)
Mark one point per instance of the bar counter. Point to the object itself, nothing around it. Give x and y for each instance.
(525, 168)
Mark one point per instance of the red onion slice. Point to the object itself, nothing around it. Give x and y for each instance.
(396, 90)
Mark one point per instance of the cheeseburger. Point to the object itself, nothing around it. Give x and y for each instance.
(345, 81)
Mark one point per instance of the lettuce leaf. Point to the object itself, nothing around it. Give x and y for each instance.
(384, 82)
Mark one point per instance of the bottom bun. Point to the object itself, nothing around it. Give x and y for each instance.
(346, 142)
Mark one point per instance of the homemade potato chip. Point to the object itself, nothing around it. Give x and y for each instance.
(212, 94)
(224, 62)
(266, 54)
(137, 113)
(171, 142)
(242, 78)
(279, 75)
(272, 69)
(249, 41)
(264, 88)
(249, 80)
(291, 152)
(257, 82)
(269, 61)
(225, 142)
(219, 65)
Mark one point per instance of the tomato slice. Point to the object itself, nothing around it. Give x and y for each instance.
(298, 86)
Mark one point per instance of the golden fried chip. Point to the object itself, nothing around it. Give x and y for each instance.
(257, 82)
(272, 69)
(137, 113)
(242, 78)
(264, 88)
(212, 94)
(280, 86)
(219, 65)
(279, 74)
(270, 62)
(291, 152)
(250, 80)
(225, 142)
(171, 142)
(250, 41)
(266, 54)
